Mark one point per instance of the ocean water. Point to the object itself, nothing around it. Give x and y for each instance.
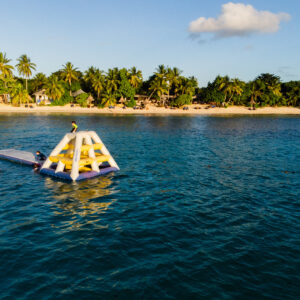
(202, 208)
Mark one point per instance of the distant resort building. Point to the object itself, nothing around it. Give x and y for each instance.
(5, 98)
(42, 98)
(78, 92)
(89, 100)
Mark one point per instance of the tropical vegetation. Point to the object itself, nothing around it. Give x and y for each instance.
(166, 87)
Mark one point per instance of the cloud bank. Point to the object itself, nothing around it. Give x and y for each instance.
(238, 19)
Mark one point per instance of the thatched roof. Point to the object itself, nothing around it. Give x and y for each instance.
(40, 93)
(77, 93)
(140, 96)
(90, 99)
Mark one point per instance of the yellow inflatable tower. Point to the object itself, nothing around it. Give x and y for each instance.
(79, 156)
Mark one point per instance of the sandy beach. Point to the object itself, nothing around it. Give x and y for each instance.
(193, 110)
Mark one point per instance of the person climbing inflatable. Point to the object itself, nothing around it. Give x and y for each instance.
(74, 127)
(40, 156)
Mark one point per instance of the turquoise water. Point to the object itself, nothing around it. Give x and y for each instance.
(203, 207)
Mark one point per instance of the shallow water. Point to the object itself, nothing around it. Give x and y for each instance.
(203, 207)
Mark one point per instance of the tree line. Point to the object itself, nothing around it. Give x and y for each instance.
(166, 87)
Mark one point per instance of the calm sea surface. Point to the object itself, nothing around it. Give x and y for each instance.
(203, 207)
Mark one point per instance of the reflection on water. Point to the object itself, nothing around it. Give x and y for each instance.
(82, 198)
(208, 203)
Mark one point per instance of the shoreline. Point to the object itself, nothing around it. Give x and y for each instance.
(152, 110)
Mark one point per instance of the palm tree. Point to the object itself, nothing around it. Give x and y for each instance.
(275, 89)
(108, 98)
(98, 82)
(224, 86)
(39, 81)
(235, 88)
(89, 74)
(54, 88)
(158, 86)
(186, 85)
(161, 83)
(9, 82)
(20, 95)
(269, 79)
(161, 71)
(25, 67)
(5, 68)
(135, 77)
(169, 80)
(112, 80)
(5, 71)
(69, 73)
(255, 92)
(293, 96)
(272, 90)
(173, 77)
(9, 86)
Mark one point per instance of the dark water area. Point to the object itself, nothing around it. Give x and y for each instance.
(202, 208)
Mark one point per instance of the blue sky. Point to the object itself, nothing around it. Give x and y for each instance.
(119, 33)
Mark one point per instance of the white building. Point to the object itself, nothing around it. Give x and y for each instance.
(41, 97)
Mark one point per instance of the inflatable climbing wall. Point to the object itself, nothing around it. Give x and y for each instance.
(79, 156)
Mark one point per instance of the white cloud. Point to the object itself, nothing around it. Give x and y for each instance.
(238, 19)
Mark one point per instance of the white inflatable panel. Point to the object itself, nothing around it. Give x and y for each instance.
(22, 157)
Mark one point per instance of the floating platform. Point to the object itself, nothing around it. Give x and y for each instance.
(18, 156)
(77, 156)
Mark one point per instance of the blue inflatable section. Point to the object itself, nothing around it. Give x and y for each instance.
(82, 176)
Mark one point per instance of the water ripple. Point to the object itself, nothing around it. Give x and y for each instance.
(203, 207)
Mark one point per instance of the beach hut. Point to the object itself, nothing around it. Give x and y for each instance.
(122, 100)
(90, 101)
(5, 98)
(42, 97)
(78, 92)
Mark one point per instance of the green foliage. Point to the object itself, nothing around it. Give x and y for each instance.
(112, 81)
(101, 105)
(2, 88)
(212, 94)
(97, 81)
(125, 90)
(108, 98)
(20, 95)
(181, 100)
(166, 83)
(135, 77)
(37, 82)
(69, 74)
(25, 67)
(54, 88)
(158, 87)
(82, 99)
(270, 88)
(75, 86)
(65, 99)
(291, 93)
(5, 68)
(130, 103)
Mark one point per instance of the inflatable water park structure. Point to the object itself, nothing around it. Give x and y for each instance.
(77, 156)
